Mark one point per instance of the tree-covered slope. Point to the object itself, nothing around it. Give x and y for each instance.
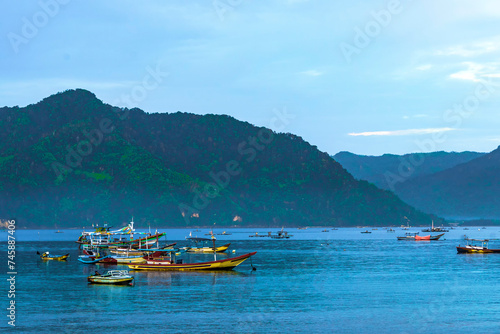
(70, 159)
(388, 171)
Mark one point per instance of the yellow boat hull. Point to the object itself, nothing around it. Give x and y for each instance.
(220, 249)
(225, 264)
(56, 258)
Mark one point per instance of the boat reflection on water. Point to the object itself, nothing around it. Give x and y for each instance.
(176, 278)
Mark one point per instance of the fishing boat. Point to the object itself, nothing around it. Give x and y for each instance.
(171, 263)
(201, 245)
(134, 251)
(408, 236)
(46, 256)
(104, 237)
(117, 277)
(366, 231)
(471, 248)
(435, 229)
(280, 234)
(416, 237)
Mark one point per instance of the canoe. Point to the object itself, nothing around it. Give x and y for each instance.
(46, 256)
(225, 264)
(120, 277)
(90, 260)
(219, 249)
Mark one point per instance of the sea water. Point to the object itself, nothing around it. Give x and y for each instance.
(340, 281)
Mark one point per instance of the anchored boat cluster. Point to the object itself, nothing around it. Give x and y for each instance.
(143, 253)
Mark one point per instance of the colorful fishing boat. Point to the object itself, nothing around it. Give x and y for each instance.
(201, 245)
(471, 248)
(46, 256)
(104, 237)
(171, 263)
(416, 237)
(135, 251)
(117, 277)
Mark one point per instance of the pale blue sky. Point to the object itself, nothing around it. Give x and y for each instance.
(370, 77)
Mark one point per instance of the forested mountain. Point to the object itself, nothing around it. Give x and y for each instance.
(468, 190)
(389, 170)
(71, 160)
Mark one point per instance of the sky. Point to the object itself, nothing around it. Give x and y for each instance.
(369, 77)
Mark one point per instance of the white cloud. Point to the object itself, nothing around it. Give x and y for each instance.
(469, 50)
(401, 132)
(477, 72)
(312, 73)
(424, 67)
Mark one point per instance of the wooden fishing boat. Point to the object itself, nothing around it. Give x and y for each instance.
(280, 235)
(46, 256)
(435, 229)
(120, 277)
(416, 237)
(104, 237)
(135, 251)
(471, 248)
(201, 246)
(172, 264)
(408, 236)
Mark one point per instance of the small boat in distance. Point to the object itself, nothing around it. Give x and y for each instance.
(416, 237)
(46, 256)
(366, 231)
(435, 229)
(202, 245)
(117, 277)
(471, 248)
(280, 235)
(59, 231)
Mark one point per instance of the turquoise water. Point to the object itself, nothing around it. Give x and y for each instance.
(339, 281)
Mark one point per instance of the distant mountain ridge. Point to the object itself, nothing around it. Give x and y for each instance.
(390, 170)
(452, 185)
(71, 160)
(467, 190)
